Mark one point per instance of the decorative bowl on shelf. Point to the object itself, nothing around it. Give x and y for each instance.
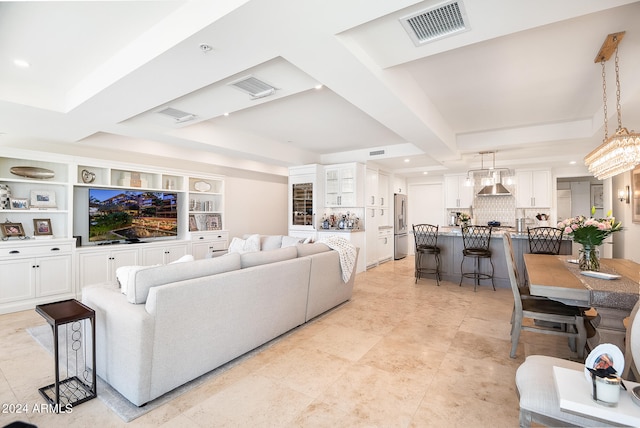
(202, 186)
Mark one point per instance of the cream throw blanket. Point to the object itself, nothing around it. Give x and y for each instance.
(347, 252)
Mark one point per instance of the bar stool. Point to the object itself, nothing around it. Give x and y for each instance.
(544, 240)
(426, 243)
(476, 241)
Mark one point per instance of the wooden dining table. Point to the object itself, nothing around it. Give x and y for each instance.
(558, 279)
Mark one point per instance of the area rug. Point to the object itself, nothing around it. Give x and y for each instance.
(126, 410)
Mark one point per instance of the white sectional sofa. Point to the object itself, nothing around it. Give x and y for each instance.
(189, 318)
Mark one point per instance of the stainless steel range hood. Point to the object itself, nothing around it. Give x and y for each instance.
(494, 190)
(494, 175)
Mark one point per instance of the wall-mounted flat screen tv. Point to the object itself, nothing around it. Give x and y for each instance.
(131, 215)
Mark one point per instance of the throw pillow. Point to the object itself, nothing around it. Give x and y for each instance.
(185, 258)
(290, 241)
(126, 274)
(241, 246)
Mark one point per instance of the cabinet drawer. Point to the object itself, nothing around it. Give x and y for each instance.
(209, 236)
(29, 251)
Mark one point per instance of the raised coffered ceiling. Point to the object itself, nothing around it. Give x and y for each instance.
(521, 81)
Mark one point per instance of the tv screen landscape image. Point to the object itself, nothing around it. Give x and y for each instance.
(131, 215)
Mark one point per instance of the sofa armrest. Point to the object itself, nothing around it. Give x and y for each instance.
(124, 332)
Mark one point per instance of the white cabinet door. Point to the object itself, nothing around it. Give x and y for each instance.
(542, 189)
(371, 231)
(344, 186)
(372, 187)
(383, 190)
(385, 245)
(93, 268)
(533, 189)
(53, 275)
(20, 284)
(100, 266)
(163, 255)
(457, 195)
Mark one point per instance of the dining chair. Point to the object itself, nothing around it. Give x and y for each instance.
(544, 240)
(476, 241)
(570, 318)
(536, 386)
(426, 243)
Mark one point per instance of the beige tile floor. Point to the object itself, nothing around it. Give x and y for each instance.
(398, 354)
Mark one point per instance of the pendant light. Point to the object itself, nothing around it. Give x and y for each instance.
(621, 151)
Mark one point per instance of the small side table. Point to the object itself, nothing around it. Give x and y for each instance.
(79, 384)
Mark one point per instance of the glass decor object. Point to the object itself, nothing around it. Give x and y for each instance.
(589, 258)
(620, 152)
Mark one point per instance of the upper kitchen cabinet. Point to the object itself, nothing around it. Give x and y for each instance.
(372, 187)
(305, 190)
(457, 195)
(383, 190)
(533, 189)
(344, 185)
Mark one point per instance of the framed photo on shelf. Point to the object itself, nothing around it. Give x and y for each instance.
(214, 221)
(635, 194)
(10, 230)
(43, 199)
(42, 227)
(18, 203)
(193, 225)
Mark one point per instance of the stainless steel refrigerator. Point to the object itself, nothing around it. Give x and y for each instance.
(400, 228)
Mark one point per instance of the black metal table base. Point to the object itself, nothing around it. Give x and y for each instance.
(73, 391)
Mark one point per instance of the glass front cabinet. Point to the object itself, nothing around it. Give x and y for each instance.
(304, 194)
(302, 200)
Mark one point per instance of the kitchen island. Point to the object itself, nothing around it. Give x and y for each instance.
(451, 246)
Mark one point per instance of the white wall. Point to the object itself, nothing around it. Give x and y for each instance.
(255, 206)
(625, 243)
(426, 205)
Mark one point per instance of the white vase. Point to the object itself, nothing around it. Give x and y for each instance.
(5, 194)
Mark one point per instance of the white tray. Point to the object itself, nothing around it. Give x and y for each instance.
(600, 275)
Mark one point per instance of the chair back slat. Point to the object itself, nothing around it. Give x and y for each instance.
(425, 235)
(544, 240)
(476, 237)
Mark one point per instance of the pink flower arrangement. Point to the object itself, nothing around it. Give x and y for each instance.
(590, 231)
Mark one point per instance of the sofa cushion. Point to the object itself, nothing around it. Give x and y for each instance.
(241, 246)
(143, 279)
(310, 249)
(269, 256)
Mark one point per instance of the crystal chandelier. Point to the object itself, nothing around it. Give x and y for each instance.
(620, 152)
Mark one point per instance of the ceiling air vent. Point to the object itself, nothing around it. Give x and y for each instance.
(254, 87)
(435, 23)
(376, 153)
(179, 115)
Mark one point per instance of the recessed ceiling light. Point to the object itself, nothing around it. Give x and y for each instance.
(226, 113)
(572, 163)
(318, 86)
(425, 172)
(21, 63)
(407, 160)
